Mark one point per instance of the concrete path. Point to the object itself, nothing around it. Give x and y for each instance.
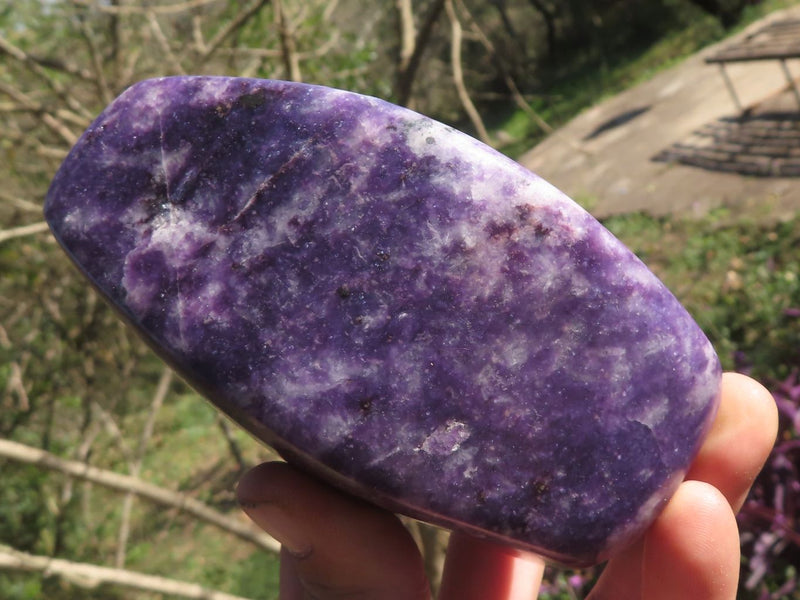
(604, 157)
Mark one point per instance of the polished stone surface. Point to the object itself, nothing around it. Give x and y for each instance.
(392, 305)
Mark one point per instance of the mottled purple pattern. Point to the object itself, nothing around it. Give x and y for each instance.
(394, 305)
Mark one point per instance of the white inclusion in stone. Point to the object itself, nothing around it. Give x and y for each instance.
(654, 413)
(205, 301)
(177, 233)
(709, 383)
(656, 343)
(470, 471)
(319, 376)
(173, 161)
(333, 427)
(210, 90)
(147, 113)
(375, 319)
(512, 351)
(446, 439)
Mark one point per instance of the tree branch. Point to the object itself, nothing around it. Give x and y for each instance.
(135, 467)
(288, 46)
(165, 9)
(410, 61)
(97, 62)
(48, 119)
(164, 43)
(125, 483)
(91, 576)
(21, 203)
(408, 34)
(239, 21)
(60, 91)
(458, 74)
(225, 427)
(17, 384)
(516, 95)
(15, 232)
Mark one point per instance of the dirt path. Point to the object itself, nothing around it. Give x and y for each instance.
(604, 158)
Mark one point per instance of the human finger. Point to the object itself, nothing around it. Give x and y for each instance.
(477, 569)
(730, 458)
(333, 546)
(740, 439)
(692, 550)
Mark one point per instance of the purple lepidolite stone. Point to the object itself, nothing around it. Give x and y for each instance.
(394, 306)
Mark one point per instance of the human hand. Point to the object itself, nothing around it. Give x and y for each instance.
(336, 546)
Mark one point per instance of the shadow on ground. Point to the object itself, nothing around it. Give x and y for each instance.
(616, 121)
(761, 145)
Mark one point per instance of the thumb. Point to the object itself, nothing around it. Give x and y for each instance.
(334, 545)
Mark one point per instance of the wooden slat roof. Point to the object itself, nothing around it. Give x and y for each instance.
(777, 41)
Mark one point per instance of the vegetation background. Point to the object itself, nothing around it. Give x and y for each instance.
(107, 460)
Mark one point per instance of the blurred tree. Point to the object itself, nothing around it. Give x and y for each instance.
(727, 11)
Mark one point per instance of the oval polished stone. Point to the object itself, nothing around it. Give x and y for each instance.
(394, 306)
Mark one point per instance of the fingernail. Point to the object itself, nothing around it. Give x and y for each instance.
(279, 524)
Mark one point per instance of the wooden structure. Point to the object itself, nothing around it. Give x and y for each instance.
(779, 40)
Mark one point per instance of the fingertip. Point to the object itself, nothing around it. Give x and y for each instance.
(740, 439)
(755, 404)
(260, 482)
(692, 549)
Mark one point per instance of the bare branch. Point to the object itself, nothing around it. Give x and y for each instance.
(458, 74)
(516, 95)
(97, 62)
(322, 49)
(17, 385)
(125, 483)
(21, 203)
(408, 65)
(136, 466)
(197, 34)
(15, 232)
(288, 45)
(239, 21)
(128, 69)
(70, 117)
(163, 43)
(35, 67)
(57, 64)
(48, 119)
(257, 52)
(51, 152)
(112, 429)
(519, 100)
(330, 8)
(165, 9)
(225, 427)
(5, 341)
(408, 33)
(91, 576)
